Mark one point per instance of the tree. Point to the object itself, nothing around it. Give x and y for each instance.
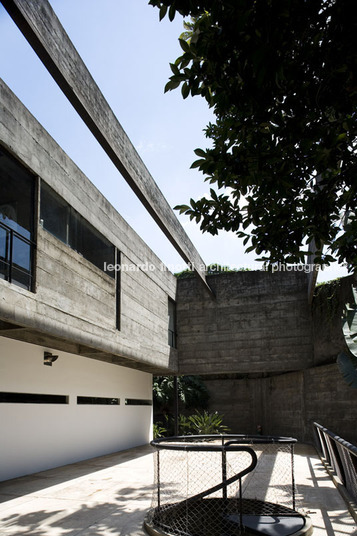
(192, 393)
(281, 79)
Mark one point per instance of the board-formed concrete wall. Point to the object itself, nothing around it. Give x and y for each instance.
(74, 306)
(257, 322)
(288, 404)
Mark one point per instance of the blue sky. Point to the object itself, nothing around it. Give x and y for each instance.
(128, 52)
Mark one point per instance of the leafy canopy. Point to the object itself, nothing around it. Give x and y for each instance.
(280, 76)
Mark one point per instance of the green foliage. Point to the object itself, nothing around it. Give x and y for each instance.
(212, 269)
(183, 425)
(281, 79)
(197, 424)
(326, 298)
(347, 361)
(159, 430)
(185, 274)
(192, 393)
(202, 424)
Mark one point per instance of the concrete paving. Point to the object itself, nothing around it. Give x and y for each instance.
(110, 495)
(318, 497)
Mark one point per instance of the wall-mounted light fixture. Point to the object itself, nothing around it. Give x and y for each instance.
(49, 358)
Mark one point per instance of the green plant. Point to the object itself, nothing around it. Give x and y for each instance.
(185, 274)
(347, 361)
(159, 430)
(192, 393)
(203, 424)
(326, 299)
(183, 425)
(212, 269)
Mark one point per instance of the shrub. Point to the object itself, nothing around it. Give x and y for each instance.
(202, 424)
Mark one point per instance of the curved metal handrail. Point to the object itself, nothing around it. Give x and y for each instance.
(176, 442)
(230, 480)
(224, 444)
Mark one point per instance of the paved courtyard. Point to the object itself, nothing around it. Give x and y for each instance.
(110, 496)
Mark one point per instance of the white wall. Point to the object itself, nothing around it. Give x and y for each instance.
(35, 437)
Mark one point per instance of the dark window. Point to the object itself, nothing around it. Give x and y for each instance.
(172, 323)
(137, 402)
(54, 213)
(32, 398)
(17, 194)
(61, 220)
(86, 240)
(98, 400)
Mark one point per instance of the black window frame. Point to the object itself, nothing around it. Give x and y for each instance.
(71, 222)
(172, 333)
(11, 271)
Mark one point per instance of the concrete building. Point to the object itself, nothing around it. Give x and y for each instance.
(109, 329)
(79, 339)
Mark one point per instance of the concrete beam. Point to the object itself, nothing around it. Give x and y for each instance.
(41, 27)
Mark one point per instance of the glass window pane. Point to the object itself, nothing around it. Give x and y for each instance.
(172, 323)
(65, 223)
(85, 239)
(21, 253)
(76, 238)
(17, 202)
(21, 278)
(172, 315)
(3, 243)
(4, 253)
(54, 213)
(21, 263)
(16, 196)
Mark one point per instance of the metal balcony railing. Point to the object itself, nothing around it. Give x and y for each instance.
(341, 456)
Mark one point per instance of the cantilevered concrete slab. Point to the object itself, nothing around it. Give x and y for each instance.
(44, 32)
(76, 305)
